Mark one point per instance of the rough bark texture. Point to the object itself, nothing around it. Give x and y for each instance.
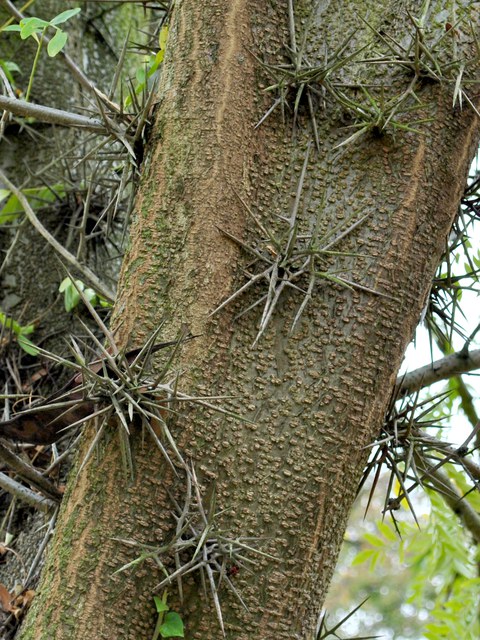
(316, 397)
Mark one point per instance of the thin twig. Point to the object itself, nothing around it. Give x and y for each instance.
(83, 269)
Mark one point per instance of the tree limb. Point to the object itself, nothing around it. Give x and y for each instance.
(49, 114)
(25, 494)
(453, 453)
(442, 369)
(443, 485)
(27, 472)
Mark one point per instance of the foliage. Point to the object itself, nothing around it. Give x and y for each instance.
(169, 623)
(71, 291)
(150, 65)
(442, 567)
(20, 332)
(9, 68)
(37, 28)
(37, 197)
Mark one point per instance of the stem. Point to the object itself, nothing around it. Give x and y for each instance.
(66, 255)
(34, 66)
(161, 616)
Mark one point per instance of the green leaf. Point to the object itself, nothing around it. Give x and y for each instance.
(36, 196)
(66, 282)
(172, 627)
(39, 196)
(31, 26)
(162, 38)
(10, 210)
(374, 540)
(71, 295)
(387, 532)
(27, 345)
(64, 16)
(140, 75)
(162, 41)
(72, 298)
(27, 329)
(57, 43)
(91, 296)
(160, 604)
(363, 556)
(12, 27)
(10, 323)
(10, 66)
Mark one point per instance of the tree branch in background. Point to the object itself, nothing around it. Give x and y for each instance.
(444, 486)
(87, 273)
(25, 494)
(29, 473)
(442, 369)
(51, 115)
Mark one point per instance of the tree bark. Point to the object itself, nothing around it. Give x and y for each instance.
(314, 398)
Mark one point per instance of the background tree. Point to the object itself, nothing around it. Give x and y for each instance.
(337, 213)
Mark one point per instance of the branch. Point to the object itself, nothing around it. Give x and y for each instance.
(453, 453)
(49, 114)
(29, 473)
(26, 495)
(84, 270)
(442, 369)
(461, 507)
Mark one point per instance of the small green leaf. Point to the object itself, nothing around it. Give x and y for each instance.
(374, 540)
(10, 323)
(12, 27)
(160, 604)
(10, 66)
(66, 282)
(71, 295)
(27, 345)
(64, 16)
(31, 26)
(57, 43)
(10, 210)
(140, 75)
(363, 556)
(71, 299)
(172, 627)
(91, 296)
(39, 196)
(27, 329)
(162, 38)
(162, 41)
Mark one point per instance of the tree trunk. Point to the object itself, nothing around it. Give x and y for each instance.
(314, 397)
